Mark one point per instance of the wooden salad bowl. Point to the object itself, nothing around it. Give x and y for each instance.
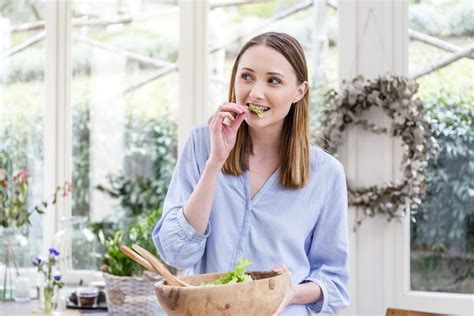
(262, 296)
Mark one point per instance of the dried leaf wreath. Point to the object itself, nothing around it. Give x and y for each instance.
(410, 121)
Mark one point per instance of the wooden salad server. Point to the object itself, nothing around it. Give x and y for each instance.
(159, 267)
(137, 258)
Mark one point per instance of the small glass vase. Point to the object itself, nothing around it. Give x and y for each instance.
(48, 298)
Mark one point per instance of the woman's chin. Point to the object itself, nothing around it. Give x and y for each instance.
(256, 122)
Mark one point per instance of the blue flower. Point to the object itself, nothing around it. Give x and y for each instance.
(37, 261)
(53, 252)
(57, 277)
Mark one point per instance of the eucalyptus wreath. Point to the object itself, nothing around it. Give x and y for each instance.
(410, 122)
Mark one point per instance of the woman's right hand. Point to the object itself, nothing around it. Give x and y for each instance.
(223, 136)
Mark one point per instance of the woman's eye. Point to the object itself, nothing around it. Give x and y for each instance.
(274, 81)
(245, 76)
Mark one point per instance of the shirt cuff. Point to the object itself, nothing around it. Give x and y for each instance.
(189, 230)
(322, 304)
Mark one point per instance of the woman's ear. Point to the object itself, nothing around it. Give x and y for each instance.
(301, 91)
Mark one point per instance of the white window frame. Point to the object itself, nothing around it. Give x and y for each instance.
(449, 303)
(57, 118)
(193, 66)
(58, 125)
(193, 54)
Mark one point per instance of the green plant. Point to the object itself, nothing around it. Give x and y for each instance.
(81, 159)
(154, 141)
(136, 196)
(148, 142)
(14, 211)
(115, 261)
(444, 221)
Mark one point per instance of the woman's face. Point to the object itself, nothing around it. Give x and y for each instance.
(264, 77)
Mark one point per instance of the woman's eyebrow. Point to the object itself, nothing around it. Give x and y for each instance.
(268, 73)
(275, 73)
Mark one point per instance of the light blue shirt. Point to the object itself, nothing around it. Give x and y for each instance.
(305, 229)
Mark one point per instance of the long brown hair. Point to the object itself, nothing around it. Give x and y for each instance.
(294, 146)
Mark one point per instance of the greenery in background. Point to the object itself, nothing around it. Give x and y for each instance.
(443, 234)
(426, 19)
(442, 222)
(21, 140)
(81, 159)
(31, 10)
(443, 19)
(150, 137)
(461, 19)
(14, 209)
(147, 141)
(155, 140)
(144, 41)
(115, 261)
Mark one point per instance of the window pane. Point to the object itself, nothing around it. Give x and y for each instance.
(227, 22)
(124, 97)
(22, 96)
(442, 238)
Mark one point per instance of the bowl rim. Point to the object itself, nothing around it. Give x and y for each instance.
(279, 274)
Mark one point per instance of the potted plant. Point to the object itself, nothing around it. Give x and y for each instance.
(15, 220)
(130, 289)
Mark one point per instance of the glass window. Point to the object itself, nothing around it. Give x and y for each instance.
(124, 96)
(442, 231)
(231, 25)
(22, 94)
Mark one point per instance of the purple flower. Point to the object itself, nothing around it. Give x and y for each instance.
(37, 261)
(53, 252)
(57, 277)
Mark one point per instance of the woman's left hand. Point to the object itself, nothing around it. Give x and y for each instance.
(289, 293)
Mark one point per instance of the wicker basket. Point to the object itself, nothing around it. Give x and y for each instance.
(132, 295)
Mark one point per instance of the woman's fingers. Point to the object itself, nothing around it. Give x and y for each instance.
(238, 121)
(232, 112)
(232, 107)
(280, 268)
(219, 119)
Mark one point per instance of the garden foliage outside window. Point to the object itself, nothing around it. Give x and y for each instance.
(442, 231)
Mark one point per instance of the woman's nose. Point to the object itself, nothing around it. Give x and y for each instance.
(258, 91)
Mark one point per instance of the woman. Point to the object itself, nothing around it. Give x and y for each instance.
(249, 185)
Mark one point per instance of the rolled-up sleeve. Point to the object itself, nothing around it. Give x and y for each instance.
(328, 254)
(177, 242)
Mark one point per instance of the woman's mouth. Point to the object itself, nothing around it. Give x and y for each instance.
(257, 109)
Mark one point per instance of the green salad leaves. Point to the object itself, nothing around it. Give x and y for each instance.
(236, 276)
(258, 111)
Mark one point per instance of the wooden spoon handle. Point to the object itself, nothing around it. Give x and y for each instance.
(159, 267)
(137, 258)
